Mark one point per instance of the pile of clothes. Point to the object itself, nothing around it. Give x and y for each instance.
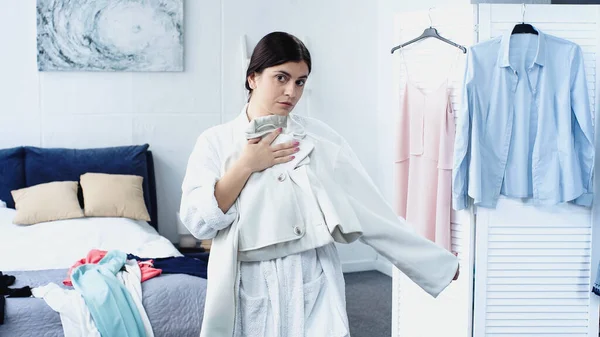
(151, 267)
(106, 294)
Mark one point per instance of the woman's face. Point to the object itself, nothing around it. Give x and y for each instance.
(277, 89)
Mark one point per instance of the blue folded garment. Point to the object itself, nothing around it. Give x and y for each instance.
(195, 266)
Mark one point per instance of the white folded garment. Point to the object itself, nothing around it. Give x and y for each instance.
(74, 314)
(131, 278)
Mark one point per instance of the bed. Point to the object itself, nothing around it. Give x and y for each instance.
(39, 254)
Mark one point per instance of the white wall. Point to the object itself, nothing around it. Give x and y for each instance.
(169, 110)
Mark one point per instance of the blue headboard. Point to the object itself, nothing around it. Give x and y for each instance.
(152, 189)
(27, 166)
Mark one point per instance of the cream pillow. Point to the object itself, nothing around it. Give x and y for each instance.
(114, 195)
(46, 202)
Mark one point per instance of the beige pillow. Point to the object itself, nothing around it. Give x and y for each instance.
(46, 202)
(114, 195)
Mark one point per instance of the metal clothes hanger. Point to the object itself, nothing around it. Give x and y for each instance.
(524, 28)
(430, 32)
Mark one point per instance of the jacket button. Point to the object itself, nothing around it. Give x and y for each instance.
(281, 177)
(298, 230)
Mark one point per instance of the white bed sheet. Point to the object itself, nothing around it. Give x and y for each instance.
(59, 244)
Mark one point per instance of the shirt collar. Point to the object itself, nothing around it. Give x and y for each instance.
(260, 126)
(503, 55)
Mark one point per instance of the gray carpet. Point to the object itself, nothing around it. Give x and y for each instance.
(369, 304)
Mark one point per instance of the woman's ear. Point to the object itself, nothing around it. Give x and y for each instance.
(252, 81)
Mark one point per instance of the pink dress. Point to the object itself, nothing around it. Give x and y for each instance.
(423, 163)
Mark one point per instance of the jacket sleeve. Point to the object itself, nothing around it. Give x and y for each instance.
(462, 150)
(430, 266)
(199, 211)
(583, 126)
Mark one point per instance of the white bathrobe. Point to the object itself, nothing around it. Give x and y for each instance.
(294, 296)
(276, 243)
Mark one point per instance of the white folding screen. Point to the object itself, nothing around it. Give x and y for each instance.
(534, 266)
(415, 313)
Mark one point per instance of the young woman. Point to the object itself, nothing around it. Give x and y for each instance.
(275, 191)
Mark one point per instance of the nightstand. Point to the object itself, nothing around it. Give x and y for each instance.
(190, 250)
(187, 243)
(196, 252)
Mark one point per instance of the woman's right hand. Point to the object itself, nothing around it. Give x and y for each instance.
(259, 154)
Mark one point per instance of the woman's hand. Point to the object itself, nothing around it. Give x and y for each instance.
(259, 154)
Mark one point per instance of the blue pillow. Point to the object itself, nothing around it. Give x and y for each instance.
(12, 173)
(43, 165)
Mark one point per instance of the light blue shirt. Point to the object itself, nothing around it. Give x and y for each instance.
(525, 127)
(109, 302)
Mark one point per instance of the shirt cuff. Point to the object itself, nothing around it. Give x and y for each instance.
(210, 212)
(586, 199)
(201, 214)
(459, 202)
(449, 270)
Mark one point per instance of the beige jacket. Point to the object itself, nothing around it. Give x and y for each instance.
(324, 195)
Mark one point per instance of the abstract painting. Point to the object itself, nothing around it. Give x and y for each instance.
(110, 35)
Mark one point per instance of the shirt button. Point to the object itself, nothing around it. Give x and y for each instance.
(297, 230)
(281, 177)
